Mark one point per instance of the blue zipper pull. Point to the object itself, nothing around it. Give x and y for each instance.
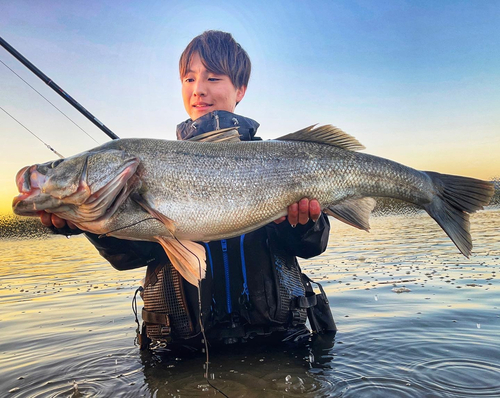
(244, 267)
(225, 259)
(245, 290)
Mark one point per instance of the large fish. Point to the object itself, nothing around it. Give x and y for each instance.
(180, 192)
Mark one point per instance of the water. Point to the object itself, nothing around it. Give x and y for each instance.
(415, 318)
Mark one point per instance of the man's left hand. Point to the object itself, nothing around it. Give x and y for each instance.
(301, 212)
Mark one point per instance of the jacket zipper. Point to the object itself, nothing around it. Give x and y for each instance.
(244, 267)
(209, 254)
(217, 125)
(225, 259)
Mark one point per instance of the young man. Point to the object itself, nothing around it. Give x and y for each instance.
(254, 286)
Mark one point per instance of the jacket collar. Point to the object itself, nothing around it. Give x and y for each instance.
(217, 120)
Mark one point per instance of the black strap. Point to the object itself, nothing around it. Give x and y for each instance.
(320, 316)
(154, 317)
(306, 301)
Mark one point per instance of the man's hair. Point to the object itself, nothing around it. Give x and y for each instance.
(220, 54)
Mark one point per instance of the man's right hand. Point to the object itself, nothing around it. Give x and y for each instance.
(51, 220)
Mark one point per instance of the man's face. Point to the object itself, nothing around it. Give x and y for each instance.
(204, 91)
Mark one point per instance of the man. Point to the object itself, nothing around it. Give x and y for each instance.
(254, 286)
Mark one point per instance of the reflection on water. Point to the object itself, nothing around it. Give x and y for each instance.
(415, 318)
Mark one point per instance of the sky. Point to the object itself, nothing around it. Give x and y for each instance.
(417, 82)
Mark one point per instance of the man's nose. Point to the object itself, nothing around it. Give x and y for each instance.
(200, 89)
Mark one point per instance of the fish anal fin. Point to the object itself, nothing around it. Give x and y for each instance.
(328, 135)
(354, 212)
(187, 257)
(170, 224)
(223, 135)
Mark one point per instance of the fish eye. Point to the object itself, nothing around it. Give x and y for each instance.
(55, 163)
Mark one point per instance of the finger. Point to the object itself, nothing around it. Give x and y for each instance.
(303, 211)
(71, 225)
(314, 210)
(293, 214)
(280, 220)
(58, 222)
(45, 219)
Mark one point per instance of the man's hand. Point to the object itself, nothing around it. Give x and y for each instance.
(301, 212)
(50, 220)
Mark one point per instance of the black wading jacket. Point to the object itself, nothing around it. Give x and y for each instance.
(239, 291)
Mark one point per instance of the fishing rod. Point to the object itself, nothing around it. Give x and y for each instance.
(57, 89)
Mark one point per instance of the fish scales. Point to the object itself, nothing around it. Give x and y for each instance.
(226, 189)
(179, 192)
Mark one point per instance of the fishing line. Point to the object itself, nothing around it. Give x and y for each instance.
(202, 328)
(200, 321)
(104, 235)
(31, 132)
(41, 95)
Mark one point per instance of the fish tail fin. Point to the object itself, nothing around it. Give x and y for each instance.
(187, 257)
(456, 197)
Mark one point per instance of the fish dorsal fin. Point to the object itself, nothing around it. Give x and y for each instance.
(328, 134)
(223, 135)
(354, 212)
(187, 257)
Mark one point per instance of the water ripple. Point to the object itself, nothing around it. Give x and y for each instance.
(460, 377)
(68, 329)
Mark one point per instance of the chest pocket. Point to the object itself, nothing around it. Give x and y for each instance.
(254, 283)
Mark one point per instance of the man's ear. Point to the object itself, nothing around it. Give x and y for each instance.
(240, 93)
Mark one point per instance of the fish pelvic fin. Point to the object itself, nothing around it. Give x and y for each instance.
(354, 212)
(328, 135)
(187, 257)
(456, 197)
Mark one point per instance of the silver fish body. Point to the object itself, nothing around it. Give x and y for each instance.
(215, 191)
(181, 191)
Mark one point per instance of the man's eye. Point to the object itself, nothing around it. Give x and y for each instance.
(188, 80)
(213, 79)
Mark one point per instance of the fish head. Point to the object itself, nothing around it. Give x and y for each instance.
(81, 183)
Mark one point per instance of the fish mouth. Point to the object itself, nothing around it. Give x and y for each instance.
(33, 197)
(23, 179)
(32, 203)
(28, 181)
(21, 198)
(78, 203)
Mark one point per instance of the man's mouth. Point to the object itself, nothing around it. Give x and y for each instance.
(201, 105)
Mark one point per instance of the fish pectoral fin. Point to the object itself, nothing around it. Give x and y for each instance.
(170, 224)
(223, 135)
(328, 135)
(355, 212)
(187, 257)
